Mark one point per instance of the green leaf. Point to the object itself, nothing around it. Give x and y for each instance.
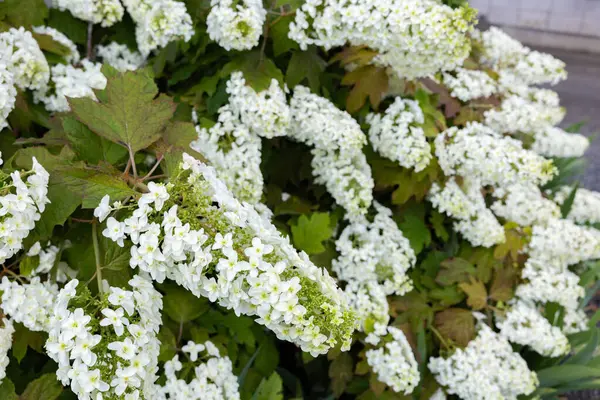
(476, 294)
(25, 13)
(368, 82)
(175, 141)
(454, 270)
(168, 344)
(565, 373)
(340, 372)
(309, 233)
(182, 306)
(567, 205)
(90, 185)
(24, 338)
(28, 264)
(258, 70)
(46, 387)
(456, 324)
(415, 230)
(114, 257)
(268, 357)
(305, 65)
(503, 284)
(90, 147)
(279, 34)
(130, 115)
(586, 353)
(437, 221)
(270, 389)
(46, 43)
(75, 29)
(7, 390)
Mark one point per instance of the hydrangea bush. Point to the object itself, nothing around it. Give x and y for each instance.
(307, 199)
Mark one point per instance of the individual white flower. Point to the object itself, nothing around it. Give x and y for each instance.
(120, 57)
(466, 84)
(24, 59)
(73, 56)
(103, 209)
(103, 12)
(394, 362)
(487, 368)
(478, 152)
(115, 230)
(524, 324)
(398, 135)
(71, 82)
(474, 220)
(585, 207)
(236, 25)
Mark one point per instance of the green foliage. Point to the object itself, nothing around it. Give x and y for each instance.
(309, 233)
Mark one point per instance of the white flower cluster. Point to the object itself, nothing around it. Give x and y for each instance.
(504, 53)
(524, 204)
(374, 260)
(466, 84)
(47, 260)
(474, 220)
(103, 12)
(525, 325)
(6, 336)
(233, 145)
(159, 22)
(8, 94)
(414, 38)
(575, 321)
(236, 25)
(216, 247)
(338, 160)
(107, 346)
(120, 57)
(23, 58)
(480, 153)
(20, 210)
(550, 283)
(213, 377)
(523, 114)
(71, 82)
(487, 368)
(394, 362)
(586, 204)
(31, 304)
(398, 135)
(563, 242)
(234, 152)
(375, 251)
(73, 56)
(266, 113)
(555, 142)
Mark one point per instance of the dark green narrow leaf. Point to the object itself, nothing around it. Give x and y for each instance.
(566, 206)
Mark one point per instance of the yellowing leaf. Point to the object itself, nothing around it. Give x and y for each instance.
(308, 234)
(454, 270)
(503, 284)
(476, 294)
(456, 324)
(369, 81)
(129, 114)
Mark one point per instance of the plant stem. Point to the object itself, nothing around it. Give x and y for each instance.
(149, 174)
(90, 43)
(97, 256)
(132, 162)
